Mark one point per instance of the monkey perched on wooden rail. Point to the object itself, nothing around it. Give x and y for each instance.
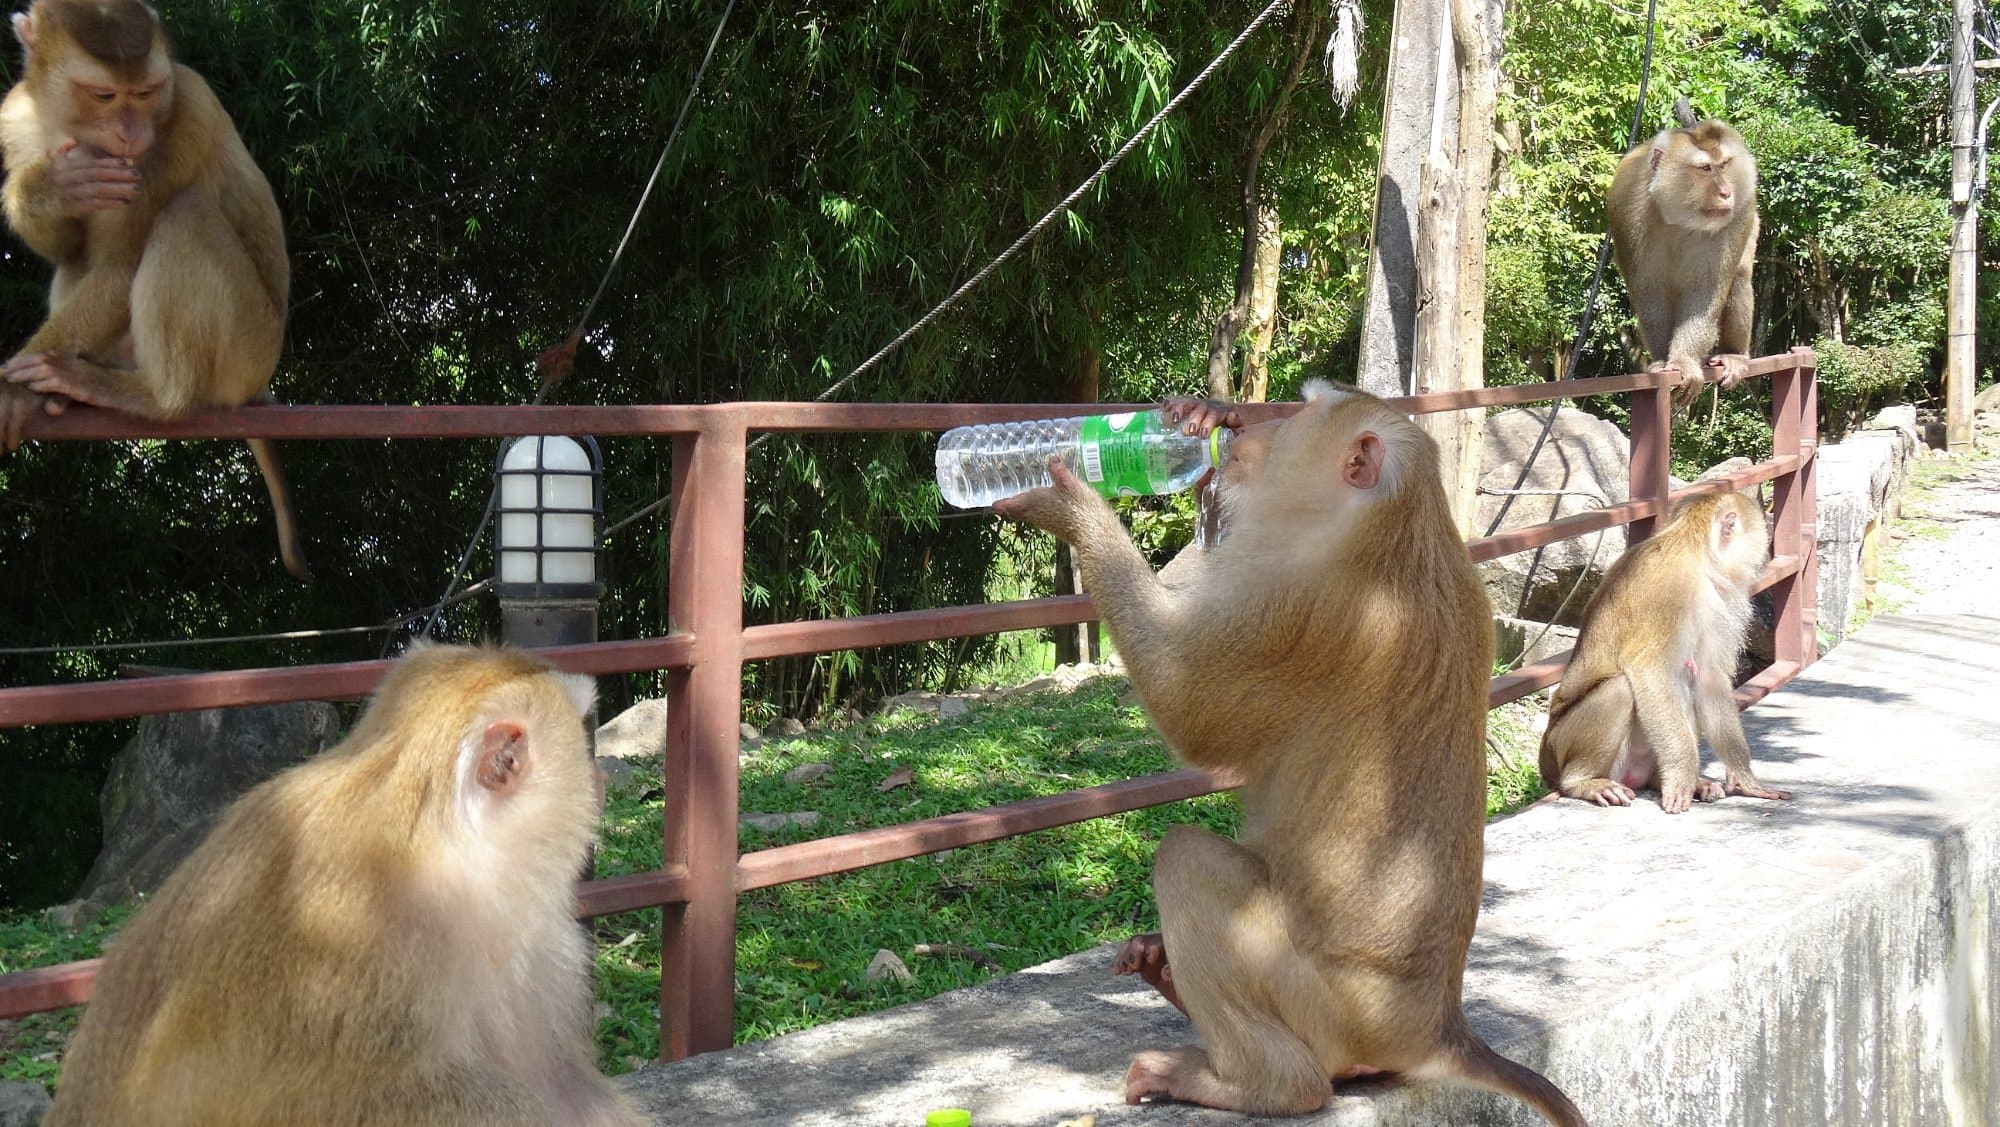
(1332, 651)
(1653, 664)
(381, 935)
(125, 172)
(1683, 211)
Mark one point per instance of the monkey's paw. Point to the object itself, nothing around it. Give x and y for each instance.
(1707, 790)
(17, 406)
(1611, 794)
(1141, 954)
(1065, 508)
(1676, 801)
(1161, 1072)
(1754, 789)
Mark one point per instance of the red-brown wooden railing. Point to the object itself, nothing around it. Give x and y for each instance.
(702, 875)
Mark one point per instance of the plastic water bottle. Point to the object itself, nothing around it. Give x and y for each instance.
(1122, 455)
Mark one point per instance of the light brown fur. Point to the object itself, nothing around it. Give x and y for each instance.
(1332, 653)
(383, 935)
(1683, 211)
(125, 173)
(1654, 661)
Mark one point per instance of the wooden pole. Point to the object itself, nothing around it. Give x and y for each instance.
(1963, 299)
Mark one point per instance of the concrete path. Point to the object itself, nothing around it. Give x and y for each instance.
(1823, 961)
(1960, 573)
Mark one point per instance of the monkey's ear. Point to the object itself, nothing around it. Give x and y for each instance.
(1653, 158)
(1361, 467)
(1725, 526)
(24, 30)
(502, 756)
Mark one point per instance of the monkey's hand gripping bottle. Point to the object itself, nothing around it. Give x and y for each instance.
(1121, 455)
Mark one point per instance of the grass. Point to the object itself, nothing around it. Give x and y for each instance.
(803, 949)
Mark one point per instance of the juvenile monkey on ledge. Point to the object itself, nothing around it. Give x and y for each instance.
(1332, 651)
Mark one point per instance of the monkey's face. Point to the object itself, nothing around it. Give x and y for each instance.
(113, 114)
(1703, 186)
(1313, 471)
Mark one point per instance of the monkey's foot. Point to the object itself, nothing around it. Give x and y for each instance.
(1753, 789)
(1602, 791)
(1707, 790)
(1676, 801)
(1146, 956)
(1165, 1073)
(1728, 369)
(48, 374)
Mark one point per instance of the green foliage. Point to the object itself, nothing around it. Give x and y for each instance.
(31, 1048)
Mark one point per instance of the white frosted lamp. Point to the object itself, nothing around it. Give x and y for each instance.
(551, 491)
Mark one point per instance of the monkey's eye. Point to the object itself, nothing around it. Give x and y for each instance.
(1705, 167)
(146, 95)
(104, 97)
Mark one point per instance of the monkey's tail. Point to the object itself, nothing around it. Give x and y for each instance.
(1480, 1066)
(282, 507)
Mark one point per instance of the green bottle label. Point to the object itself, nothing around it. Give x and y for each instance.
(1113, 455)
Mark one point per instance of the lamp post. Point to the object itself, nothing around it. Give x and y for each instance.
(551, 510)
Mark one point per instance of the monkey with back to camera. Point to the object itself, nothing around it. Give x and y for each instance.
(1331, 651)
(126, 174)
(1683, 211)
(1653, 664)
(381, 935)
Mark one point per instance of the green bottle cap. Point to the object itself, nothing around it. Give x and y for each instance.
(949, 1117)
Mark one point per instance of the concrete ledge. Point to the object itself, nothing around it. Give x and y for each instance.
(1824, 961)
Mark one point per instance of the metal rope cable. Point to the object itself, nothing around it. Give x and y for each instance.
(1576, 351)
(278, 636)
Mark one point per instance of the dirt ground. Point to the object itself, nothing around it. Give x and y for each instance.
(1946, 555)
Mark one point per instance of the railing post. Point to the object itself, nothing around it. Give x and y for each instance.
(1647, 480)
(1795, 502)
(704, 712)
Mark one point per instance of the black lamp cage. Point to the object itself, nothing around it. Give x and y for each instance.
(538, 475)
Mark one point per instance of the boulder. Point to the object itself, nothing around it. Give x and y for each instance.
(636, 733)
(1581, 467)
(167, 786)
(22, 1104)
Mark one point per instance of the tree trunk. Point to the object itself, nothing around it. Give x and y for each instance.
(1476, 34)
(1255, 384)
(1239, 315)
(1422, 103)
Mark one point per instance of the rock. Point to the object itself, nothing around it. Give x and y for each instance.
(617, 770)
(809, 772)
(772, 823)
(635, 733)
(747, 732)
(885, 964)
(24, 1105)
(784, 727)
(1726, 467)
(1584, 459)
(1544, 641)
(1987, 400)
(940, 705)
(181, 770)
(1902, 419)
